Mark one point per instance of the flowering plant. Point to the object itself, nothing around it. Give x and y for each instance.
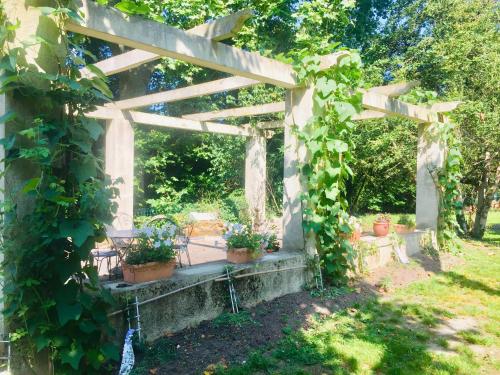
(383, 218)
(240, 236)
(153, 245)
(270, 242)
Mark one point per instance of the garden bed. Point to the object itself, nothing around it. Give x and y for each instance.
(231, 338)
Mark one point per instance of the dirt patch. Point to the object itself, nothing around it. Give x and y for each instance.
(231, 341)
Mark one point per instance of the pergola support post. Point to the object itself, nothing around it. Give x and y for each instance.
(255, 179)
(119, 166)
(298, 111)
(430, 158)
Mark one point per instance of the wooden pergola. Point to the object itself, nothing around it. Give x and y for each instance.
(202, 46)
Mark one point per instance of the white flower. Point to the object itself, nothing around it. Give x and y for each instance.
(148, 231)
(167, 242)
(157, 244)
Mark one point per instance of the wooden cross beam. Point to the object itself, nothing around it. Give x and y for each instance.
(395, 89)
(383, 103)
(220, 29)
(135, 32)
(254, 110)
(103, 113)
(207, 88)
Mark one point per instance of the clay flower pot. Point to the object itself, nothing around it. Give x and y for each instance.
(402, 229)
(140, 273)
(381, 228)
(242, 255)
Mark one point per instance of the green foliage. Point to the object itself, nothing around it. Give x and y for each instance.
(449, 183)
(240, 236)
(383, 218)
(154, 244)
(328, 141)
(54, 304)
(406, 220)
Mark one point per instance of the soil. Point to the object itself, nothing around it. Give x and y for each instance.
(199, 348)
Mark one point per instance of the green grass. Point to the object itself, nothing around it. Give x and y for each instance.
(394, 336)
(493, 228)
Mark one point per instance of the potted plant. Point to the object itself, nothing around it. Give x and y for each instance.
(243, 245)
(405, 224)
(381, 225)
(152, 257)
(270, 242)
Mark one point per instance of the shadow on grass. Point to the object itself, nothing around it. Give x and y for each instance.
(378, 337)
(465, 282)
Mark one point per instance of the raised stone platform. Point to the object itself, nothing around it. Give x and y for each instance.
(273, 276)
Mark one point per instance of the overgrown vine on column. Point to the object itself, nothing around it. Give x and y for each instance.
(54, 306)
(448, 181)
(327, 137)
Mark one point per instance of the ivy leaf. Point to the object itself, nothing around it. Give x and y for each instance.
(110, 351)
(41, 342)
(31, 185)
(332, 193)
(73, 356)
(344, 110)
(85, 169)
(87, 326)
(78, 230)
(94, 128)
(337, 145)
(9, 116)
(66, 312)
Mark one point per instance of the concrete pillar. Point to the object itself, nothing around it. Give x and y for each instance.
(430, 159)
(119, 164)
(255, 179)
(298, 111)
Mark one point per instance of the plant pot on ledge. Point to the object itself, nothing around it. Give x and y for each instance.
(381, 225)
(141, 273)
(242, 255)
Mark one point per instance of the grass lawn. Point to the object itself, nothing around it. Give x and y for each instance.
(447, 324)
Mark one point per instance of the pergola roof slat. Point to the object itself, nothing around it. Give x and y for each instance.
(113, 26)
(220, 29)
(104, 113)
(254, 110)
(207, 88)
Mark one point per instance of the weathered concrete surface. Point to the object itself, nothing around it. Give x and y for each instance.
(206, 301)
(255, 179)
(299, 109)
(430, 158)
(119, 164)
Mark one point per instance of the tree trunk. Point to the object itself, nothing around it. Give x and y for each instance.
(485, 197)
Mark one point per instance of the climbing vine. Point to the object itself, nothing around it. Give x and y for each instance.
(448, 182)
(327, 137)
(56, 204)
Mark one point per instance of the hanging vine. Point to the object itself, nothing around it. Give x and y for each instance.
(56, 205)
(327, 137)
(448, 182)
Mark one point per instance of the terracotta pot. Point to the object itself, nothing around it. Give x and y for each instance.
(381, 229)
(242, 255)
(402, 229)
(140, 273)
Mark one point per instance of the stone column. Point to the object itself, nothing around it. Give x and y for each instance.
(119, 164)
(298, 111)
(255, 179)
(430, 159)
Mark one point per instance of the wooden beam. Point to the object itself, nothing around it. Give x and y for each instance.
(444, 106)
(224, 27)
(238, 112)
(369, 115)
(135, 32)
(104, 113)
(327, 61)
(220, 29)
(207, 88)
(382, 103)
(394, 90)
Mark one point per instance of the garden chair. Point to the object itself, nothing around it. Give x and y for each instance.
(104, 253)
(182, 236)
